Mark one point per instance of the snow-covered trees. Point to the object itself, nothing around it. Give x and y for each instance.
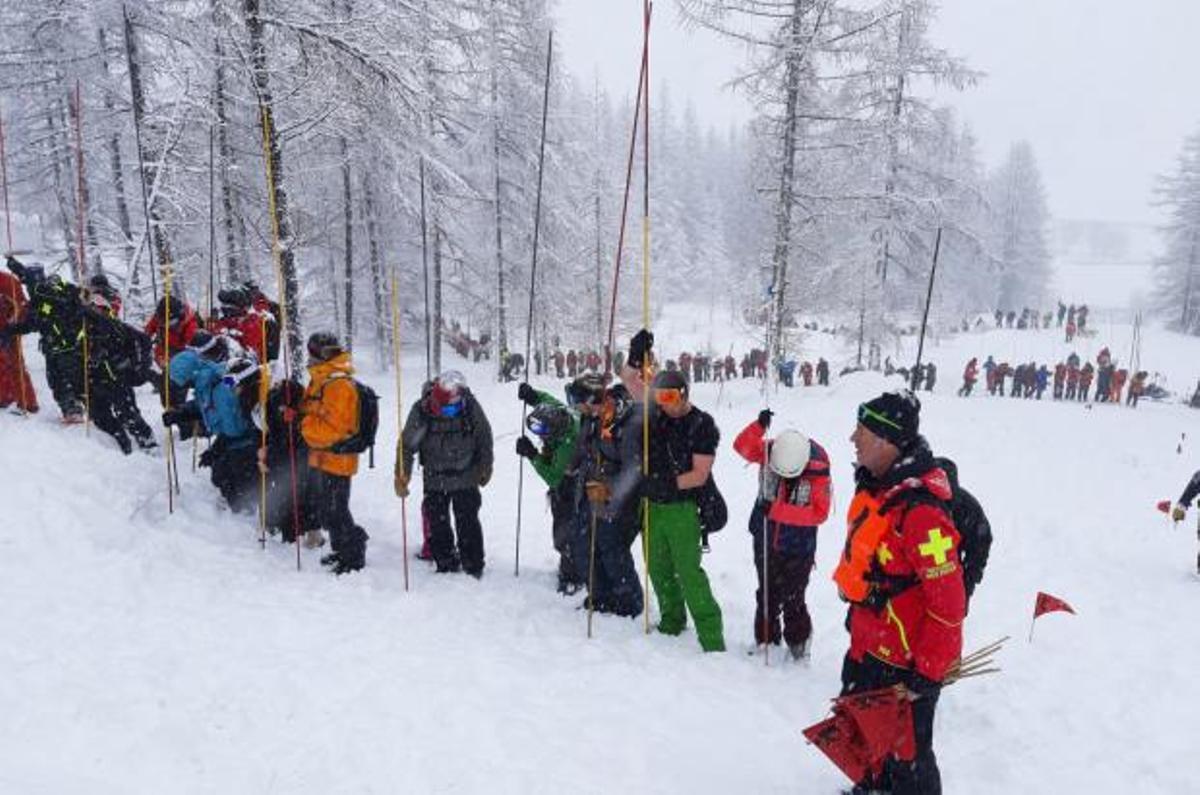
(1177, 289)
(1018, 230)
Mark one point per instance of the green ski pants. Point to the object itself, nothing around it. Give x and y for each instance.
(677, 576)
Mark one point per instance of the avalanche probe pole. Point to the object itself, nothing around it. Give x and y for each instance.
(768, 617)
(425, 271)
(647, 363)
(537, 225)
(17, 344)
(81, 261)
(399, 416)
(937, 247)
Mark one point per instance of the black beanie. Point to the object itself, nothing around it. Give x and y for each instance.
(894, 416)
(671, 379)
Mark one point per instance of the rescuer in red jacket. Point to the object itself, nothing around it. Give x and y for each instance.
(793, 500)
(900, 571)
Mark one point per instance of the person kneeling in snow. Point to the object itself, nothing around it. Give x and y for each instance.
(223, 401)
(330, 414)
(793, 500)
(900, 571)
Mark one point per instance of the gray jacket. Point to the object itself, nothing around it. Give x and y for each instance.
(455, 452)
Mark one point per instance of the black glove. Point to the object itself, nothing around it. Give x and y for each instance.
(14, 266)
(207, 457)
(172, 417)
(919, 685)
(639, 346)
(662, 487)
(764, 418)
(527, 395)
(526, 448)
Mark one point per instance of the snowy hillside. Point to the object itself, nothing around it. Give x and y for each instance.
(151, 653)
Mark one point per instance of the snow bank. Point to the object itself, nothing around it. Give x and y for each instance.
(147, 652)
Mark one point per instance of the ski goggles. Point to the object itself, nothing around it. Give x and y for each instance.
(672, 396)
(451, 409)
(537, 427)
(867, 414)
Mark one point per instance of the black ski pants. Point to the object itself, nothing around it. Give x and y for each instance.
(783, 599)
(64, 373)
(115, 411)
(332, 500)
(234, 473)
(920, 776)
(468, 551)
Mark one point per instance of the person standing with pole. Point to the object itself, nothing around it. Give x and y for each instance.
(680, 463)
(793, 501)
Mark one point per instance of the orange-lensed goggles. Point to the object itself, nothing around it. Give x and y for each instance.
(669, 396)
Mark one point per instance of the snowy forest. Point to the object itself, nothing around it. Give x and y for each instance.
(391, 150)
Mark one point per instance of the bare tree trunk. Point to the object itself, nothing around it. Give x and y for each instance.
(55, 154)
(787, 177)
(114, 154)
(283, 225)
(893, 165)
(83, 198)
(437, 292)
(235, 265)
(138, 97)
(348, 225)
(378, 289)
(502, 302)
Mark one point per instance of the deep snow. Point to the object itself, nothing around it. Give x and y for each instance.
(147, 653)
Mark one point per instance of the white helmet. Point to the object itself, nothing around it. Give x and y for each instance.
(789, 454)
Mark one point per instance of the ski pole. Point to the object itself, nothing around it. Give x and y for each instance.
(537, 225)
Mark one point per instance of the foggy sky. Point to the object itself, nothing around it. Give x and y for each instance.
(1104, 89)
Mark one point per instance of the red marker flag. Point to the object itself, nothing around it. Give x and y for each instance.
(1050, 604)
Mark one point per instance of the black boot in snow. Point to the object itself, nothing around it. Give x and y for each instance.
(347, 566)
(331, 559)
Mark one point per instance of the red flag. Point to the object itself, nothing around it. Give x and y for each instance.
(1050, 604)
(1164, 506)
(838, 739)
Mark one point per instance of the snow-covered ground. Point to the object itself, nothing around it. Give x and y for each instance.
(148, 653)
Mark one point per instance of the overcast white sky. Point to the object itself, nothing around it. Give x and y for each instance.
(1104, 89)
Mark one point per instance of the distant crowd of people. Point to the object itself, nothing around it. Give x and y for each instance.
(1069, 380)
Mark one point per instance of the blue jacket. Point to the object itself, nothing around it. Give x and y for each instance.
(218, 404)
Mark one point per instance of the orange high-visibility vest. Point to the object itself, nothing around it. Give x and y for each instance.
(865, 528)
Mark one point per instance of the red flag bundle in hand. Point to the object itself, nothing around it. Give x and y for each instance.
(1050, 604)
(866, 729)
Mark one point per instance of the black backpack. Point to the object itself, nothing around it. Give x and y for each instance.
(714, 513)
(363, 438)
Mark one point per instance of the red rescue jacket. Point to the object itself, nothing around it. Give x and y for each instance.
(179, 333)
(920, 625)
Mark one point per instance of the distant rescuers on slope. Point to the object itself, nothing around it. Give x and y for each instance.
(901, 573)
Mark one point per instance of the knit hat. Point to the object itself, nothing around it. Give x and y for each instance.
(894, 416)
(671, 379)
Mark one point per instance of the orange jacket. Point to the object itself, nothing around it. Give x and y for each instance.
(330, 414)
